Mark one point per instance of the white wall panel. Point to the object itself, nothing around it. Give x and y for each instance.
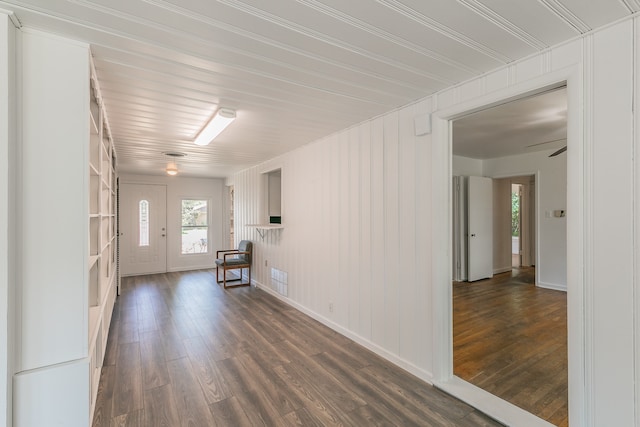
(53, 303)
(353, 219)
(407, 279)
(378, 318)
(612, 240)
(365, 229)
(7, 218)
(67, 383)
(390, 229)
(636, 200)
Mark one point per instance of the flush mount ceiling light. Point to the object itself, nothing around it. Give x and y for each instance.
(172, 169)
(172, 166)
(220, 121)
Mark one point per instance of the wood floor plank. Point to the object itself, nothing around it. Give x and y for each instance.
(160, 407)
(229, 413)
(321, 407)
(128, 380)
(240, 357)
(192, 406)
(259, 408)
(278, 391)
(209, 376)
(104, 400)
(154, 366)
(131, 419)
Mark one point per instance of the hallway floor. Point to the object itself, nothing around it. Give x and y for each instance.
(184, 352)
(510, 338)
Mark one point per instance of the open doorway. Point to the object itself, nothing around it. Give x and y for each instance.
(500, 347)
(516, 225)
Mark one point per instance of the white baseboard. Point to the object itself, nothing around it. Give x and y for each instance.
(553, 286)
(393, 358)
(498, 409)
(501, 270)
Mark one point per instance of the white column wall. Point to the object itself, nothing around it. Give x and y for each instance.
(7, 218)
(357, 217)
(51, 385)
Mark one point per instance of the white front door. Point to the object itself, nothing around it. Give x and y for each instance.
(143, 229)
(480, 228)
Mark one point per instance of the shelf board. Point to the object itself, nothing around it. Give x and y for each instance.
(263, 228)
(94, 125)
(106, 246)
(266, 226)
(94, 316)
(94, 215)
(92, 260)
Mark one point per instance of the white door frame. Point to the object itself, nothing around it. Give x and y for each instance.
(579, 348)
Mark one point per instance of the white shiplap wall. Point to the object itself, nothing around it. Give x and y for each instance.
(357, 213)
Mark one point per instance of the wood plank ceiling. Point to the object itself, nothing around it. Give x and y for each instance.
(294, 70)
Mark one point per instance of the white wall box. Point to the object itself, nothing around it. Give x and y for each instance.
(66, 234)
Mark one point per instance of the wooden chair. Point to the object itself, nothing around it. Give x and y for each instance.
(234, 259)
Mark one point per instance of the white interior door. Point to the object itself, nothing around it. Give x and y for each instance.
(480, 229)
(143, 229)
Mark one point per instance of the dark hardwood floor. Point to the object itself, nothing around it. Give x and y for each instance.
(184, 352)
(510, 339)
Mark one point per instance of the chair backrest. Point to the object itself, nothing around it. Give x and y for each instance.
(246, 246)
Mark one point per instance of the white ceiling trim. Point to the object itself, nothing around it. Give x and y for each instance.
(503, 23)
(235, 30)
(444, 30)
(566, 15)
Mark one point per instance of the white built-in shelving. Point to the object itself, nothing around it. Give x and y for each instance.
(102, 235)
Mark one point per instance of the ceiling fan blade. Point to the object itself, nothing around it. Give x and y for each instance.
(560, 151)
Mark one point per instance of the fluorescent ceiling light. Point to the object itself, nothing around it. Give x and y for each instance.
(220, 121)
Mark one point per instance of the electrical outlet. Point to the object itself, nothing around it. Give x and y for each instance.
(330, 307)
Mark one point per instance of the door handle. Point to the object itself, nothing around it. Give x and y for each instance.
(163, 235)
(473, 235)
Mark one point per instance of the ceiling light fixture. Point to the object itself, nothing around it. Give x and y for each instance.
(220, 121)
(172, 169)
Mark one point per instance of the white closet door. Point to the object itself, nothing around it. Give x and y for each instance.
(480, 219)
(143, 228)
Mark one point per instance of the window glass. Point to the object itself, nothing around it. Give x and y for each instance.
(195, 226)
(143, 223)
